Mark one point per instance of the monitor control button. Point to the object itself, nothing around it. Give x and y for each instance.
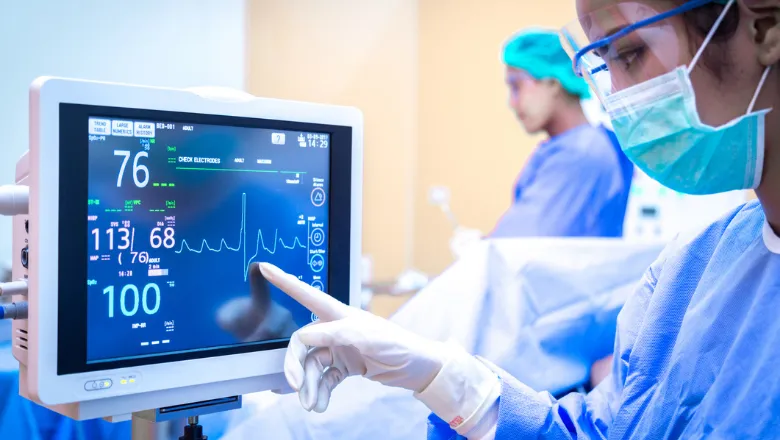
(318, 197)
(94, 385)
(317, 237)
(317, 263)
(25, 257)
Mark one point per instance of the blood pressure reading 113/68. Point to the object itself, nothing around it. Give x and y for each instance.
(177, 213)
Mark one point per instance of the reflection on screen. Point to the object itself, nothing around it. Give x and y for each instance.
(177, 215)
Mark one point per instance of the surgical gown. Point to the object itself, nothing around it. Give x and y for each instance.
(574, 185)
(696, 355)
(22, 419)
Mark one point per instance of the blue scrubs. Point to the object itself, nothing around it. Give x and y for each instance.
(574, 185)
(696, 354)
(22, 419)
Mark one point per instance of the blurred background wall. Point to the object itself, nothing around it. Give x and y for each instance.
(428, 76)
(358, 53)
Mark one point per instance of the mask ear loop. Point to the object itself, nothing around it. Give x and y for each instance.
(706, 42)
(758, 89)
(710, 35)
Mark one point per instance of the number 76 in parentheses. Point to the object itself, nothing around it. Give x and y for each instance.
(142, 257)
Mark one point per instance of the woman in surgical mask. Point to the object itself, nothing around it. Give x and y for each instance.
(689, 87)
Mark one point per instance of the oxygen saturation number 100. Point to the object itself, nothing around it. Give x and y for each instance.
(130, 299)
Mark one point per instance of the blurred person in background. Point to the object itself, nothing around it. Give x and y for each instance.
(576, 183)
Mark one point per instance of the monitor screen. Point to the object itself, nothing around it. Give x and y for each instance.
(177, 212)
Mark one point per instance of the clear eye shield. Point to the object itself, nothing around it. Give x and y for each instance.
(627, 43)
(635, 67)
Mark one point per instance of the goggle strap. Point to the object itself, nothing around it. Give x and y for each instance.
(692, 4)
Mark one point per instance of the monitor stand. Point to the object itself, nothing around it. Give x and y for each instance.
(159, 424)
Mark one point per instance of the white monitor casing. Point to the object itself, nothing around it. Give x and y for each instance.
(161, 384)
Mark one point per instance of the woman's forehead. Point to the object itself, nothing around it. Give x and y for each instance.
(514, 72)
(585, 7)
(600, 18)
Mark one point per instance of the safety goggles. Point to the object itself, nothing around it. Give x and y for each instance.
(625, 44)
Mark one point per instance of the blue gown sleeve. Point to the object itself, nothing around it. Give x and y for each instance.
(568, 190)
(525, 413)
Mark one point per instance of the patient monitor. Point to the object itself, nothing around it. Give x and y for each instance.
(147, 209)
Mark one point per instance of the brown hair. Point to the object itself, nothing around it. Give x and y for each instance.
(699, 22)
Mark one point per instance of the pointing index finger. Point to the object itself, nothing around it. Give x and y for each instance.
(258, 285)
(323, 305)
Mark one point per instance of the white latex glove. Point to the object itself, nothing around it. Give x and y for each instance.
(347, 341)
(463, 240)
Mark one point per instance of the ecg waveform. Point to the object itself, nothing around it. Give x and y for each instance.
(223, 245)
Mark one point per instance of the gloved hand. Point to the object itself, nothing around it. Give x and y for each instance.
(347, 341)
(463, 240)
(256, 317)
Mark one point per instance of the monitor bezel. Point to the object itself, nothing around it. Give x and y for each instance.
(45, 342)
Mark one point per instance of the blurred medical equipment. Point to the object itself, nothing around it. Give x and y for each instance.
(659, 213)
(439, 196)
(5, 276)
(526, 304)
(463, 238)
(409, 280)
(366, 277)
(144, 202)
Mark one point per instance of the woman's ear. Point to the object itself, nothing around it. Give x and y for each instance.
(766, 29)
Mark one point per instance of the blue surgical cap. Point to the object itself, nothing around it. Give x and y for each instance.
(539, 53)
